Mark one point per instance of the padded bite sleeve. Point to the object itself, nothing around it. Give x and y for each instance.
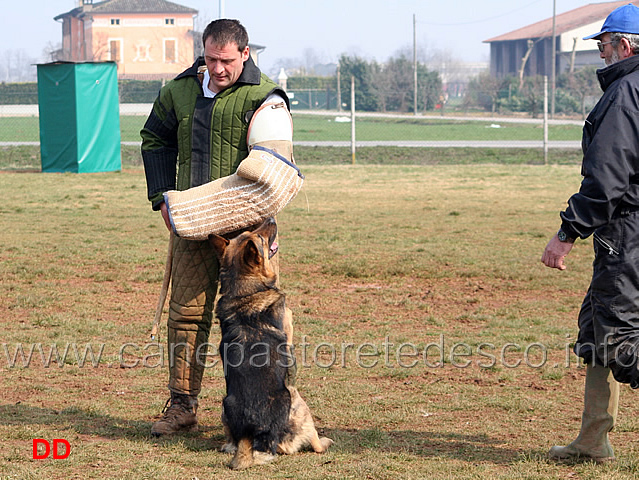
(265, 182)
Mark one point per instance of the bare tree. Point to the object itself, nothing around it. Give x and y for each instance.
(199, 24)
(531, 45)
(381, 85)
(481, 88)
(312, 59)
(425, 55)
(583, 83)
(533, 93)
(52, 52)
(17, 66)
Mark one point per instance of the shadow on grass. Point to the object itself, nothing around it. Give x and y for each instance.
(464, 447)
(101, 426)
(470, 447)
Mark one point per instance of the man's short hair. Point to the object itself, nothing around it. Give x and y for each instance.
(224, 31)
(633, 40)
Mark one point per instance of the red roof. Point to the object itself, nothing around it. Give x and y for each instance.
(564, 22)
(130, 6)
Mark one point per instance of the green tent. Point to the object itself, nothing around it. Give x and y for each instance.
(79, 117)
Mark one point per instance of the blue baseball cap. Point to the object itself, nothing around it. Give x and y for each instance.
(622, 20)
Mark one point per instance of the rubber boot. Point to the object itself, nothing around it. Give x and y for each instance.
(601, 398)
(179, 415)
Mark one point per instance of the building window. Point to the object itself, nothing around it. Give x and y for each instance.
(115, 49)
(115, 21)
(169, 21)
(143, 53)
(170, 50)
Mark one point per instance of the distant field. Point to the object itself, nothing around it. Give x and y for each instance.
(27, 157)
(307, 128)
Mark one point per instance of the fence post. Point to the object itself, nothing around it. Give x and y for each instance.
(339, 91)
(353, 120)
(545, 120)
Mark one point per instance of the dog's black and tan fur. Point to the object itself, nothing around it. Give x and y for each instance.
(262, 415)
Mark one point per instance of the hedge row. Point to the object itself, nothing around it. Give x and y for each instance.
(139, 91)
(131, 91)
(314, 83)
(18, 93)
(136, 91)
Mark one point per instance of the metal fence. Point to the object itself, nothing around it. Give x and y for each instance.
(319, 122)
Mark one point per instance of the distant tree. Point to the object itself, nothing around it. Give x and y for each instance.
(533, 94)
(432, 66)
(429, 88)
(51, 51)
(378, 86)
(382, 85)
(396, 78)
(424, 54)
(362, 71)
(484, 91)
(393, 85)
(17, 66)
(312, 58)
(582, 84)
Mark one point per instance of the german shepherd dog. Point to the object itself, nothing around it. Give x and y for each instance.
(261, 414)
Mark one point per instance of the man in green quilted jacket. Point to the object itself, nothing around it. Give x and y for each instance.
(196, 133)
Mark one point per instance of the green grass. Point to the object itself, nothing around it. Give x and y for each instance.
(309, 128)
(27, 157)
(387, 256)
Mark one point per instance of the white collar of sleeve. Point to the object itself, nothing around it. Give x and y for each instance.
(205, 85)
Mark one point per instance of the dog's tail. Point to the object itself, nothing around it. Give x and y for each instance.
(163, 293)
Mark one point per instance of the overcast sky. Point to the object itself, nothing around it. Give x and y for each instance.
(374, 29)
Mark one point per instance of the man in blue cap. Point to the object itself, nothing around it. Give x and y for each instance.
(607, 207)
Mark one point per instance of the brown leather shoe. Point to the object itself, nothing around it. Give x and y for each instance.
(178, 416)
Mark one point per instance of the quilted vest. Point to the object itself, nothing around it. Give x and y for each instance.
(212, 141)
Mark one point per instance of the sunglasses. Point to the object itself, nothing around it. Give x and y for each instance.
(600, 45)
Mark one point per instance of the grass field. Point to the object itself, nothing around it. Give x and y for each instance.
(307, 128)
(27, 157)
(431, 341)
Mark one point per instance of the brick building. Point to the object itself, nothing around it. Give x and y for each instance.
(146, 38)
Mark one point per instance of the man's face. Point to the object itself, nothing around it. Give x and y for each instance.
(610, 53)
(224, 63)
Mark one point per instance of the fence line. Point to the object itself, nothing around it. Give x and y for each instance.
(334, 128)
(145, 109)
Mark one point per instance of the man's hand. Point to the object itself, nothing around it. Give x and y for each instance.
(165, 215)
(555, 253)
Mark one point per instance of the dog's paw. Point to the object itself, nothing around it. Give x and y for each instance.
(262, 458)
(228, 447)
(326, 442)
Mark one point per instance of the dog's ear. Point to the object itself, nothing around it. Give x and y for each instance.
(253, 254)
(219, 244)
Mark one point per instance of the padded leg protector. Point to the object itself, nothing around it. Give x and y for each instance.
(265, 182)
(195, 272)
(187, 358)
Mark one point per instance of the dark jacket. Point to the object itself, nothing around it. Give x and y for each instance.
(610, 143)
